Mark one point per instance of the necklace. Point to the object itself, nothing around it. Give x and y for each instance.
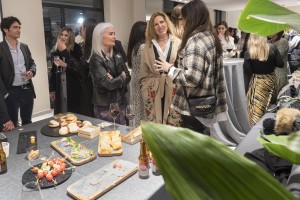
(164, 39)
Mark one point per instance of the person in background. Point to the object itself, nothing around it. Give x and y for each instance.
(294, 53)
(65, 81)
(224, 36)
(230, 31)
(136, 46)
(242, 39)
(5, 123)
(176, 18)
(235, 35)
(199, 66)
(86, 30)
(283, 47)
(260, 60)
(156, 87)
(17, 68)
(109, 72)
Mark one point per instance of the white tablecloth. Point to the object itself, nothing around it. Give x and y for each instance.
(232, 131)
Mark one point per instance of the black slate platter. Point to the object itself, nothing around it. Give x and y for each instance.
(53, 132)
(29, 176)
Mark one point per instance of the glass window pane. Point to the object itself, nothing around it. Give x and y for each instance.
(97, 15)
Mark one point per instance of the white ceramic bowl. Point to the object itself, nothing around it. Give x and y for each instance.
(5, 146)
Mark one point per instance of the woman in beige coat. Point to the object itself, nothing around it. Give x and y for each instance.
(156, 87)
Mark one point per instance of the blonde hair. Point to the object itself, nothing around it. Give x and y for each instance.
(151, 34)
(175, 18)
(71, 39)
(258, 47)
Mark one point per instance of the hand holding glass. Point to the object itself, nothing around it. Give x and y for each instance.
(56, 62)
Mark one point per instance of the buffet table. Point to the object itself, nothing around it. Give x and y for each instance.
(232, 131)
(131, 188)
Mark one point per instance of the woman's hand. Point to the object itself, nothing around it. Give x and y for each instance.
(109, 76)
(123, 74)
(61, 63)
(61, 45)
(162, 65)
(52, 96)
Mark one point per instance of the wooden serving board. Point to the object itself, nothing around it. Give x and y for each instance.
(99, 182)
(66, 152)
(133, 136)
(113, 152)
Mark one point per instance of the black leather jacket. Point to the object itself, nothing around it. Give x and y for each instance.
(105, 90)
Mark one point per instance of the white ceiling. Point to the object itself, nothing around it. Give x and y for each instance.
(233, 5)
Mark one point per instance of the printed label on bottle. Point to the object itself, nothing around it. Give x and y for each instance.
(143, 169)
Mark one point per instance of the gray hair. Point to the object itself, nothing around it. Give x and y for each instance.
(97, 44)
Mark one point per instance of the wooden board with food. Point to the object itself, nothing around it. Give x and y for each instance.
(133, 136)
(74, 152)
(110, 143)
(64, 125)
(101, 181)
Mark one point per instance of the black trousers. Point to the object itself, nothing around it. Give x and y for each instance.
(20, 99)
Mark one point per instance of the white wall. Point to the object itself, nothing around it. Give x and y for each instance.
(30, 14)
(123, 14)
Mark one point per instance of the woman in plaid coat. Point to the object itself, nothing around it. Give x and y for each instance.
(199, 65)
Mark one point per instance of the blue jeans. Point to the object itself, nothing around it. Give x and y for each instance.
(20, 99)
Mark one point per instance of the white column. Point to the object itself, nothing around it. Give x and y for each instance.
(30, 13)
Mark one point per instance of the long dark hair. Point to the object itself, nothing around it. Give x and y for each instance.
(89, 24)
(196, 15)
(136, 38)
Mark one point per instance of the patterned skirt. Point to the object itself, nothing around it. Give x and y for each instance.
(262, 89)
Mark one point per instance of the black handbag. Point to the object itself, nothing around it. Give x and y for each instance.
(203, 107)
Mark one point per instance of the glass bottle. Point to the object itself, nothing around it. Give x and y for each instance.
(143, 161)
(3, 165)
(155, 170)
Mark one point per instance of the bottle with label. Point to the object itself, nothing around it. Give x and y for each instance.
(3, 165)
(143, 161)
(155, 170)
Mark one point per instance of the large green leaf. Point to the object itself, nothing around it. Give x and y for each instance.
(279, 146)
(264, 17)
(195, 166)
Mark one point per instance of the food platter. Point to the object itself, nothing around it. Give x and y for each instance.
(29, 176)
(73, 151)
(101, 181)
(53, 132)
(110, 143)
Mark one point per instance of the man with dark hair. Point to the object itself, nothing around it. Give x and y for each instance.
(16, 70)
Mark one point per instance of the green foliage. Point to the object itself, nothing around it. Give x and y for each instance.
(196, 166)
(264, 17)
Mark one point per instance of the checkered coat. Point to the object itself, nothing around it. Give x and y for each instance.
(200, 70)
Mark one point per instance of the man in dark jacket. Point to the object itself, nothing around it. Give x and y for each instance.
(5, 123)
(16, 69)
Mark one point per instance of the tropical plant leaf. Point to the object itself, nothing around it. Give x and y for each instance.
(283, 146)
(264, 17)
(195, 166)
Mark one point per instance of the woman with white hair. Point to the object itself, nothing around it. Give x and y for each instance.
(261, 59)
(109, 73)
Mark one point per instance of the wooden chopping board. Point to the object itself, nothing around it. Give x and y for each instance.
(67, 150)
(99, 182)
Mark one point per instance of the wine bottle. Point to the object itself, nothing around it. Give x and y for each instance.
(3, 165)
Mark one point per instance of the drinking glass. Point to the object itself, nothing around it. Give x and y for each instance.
(113, 112)
(229, 48)
(130, 114)
(239, 50)
(56, 62)
(31, 190)
(24, 78)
